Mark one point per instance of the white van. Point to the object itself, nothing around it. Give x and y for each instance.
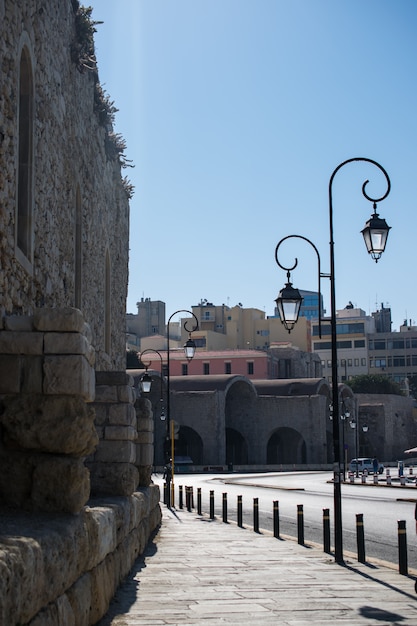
(359, 465)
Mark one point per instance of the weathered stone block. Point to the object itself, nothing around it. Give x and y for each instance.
(15, 342)
(31, 374)
(116, 451)
(127, 394)
(60, 484)
(101, 528)
(114, 379)
(145, 424)
(66, 319)
(122, 414)
(18, 322)
(79, 596)
(144, 437)
(66, 343)
(105, 393)
(101, 411)
(53, 424)
(120, 433)
(143, 408)
(10, 368)
(120, 479)
(144, 454)
(15, 479)
(69, 375)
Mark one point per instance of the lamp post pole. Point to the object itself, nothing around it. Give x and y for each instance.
(189, 350)
(289, 300)
(355, 425)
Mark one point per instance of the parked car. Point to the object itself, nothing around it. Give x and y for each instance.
(359, 465)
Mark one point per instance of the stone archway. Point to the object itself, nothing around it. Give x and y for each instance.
(286, 446)
(189, 443)
(236, 448)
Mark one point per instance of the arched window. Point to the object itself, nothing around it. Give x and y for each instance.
(24, 221)
(78, 250)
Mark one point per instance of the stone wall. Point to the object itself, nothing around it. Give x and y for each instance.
(392, 425)
(64, 224)
(64, 570)
(47, 428)
(63, 550)
(72, 164)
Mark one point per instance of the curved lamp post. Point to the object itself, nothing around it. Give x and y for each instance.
(375, 234)
(146, 380)
(189, 351)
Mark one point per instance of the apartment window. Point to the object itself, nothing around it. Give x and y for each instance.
(184, 369)
(356, 361)
(395, 344)
(375, 344)
(250, 367)
(363, 362)
(349, 362)
(227, 368)
(24, 225)
(329, 363)
(380, 362)
(359, 343)
(206, 368)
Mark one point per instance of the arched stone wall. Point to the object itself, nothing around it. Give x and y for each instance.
(286, 446)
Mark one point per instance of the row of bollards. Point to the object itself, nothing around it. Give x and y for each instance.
(360, 531)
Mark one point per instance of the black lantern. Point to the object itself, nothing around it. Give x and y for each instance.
(288, 304)
(375, 235)
(146, 382)
(189, 348)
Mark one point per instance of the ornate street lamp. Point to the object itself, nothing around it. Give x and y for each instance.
(146, 380)
(189, 351)
(288, 302)
(375, 234)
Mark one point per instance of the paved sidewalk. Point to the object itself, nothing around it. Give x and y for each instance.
(198, 571)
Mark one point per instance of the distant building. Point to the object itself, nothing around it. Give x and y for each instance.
(352, 328)
(149, 321)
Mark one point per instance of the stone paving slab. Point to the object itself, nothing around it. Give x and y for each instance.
(198, 571)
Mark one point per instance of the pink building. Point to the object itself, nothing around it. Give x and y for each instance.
(254, 364)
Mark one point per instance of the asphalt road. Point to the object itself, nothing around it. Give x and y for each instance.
(381, 507)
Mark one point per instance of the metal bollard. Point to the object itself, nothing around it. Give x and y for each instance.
(224, 507)
(351, 477)
(300, 524)
(192, 496)
(239, 512)
(211, 504)
(180, 497)
(189, 498)
(402, 548)
(363, 478)
(199, 500)
(375, 479)
(326, 531)
(167, 494)
(360, 538)
(255, 515)
(276, 519)
(402, 480)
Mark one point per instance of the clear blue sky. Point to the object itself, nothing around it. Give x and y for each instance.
(235, 114)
